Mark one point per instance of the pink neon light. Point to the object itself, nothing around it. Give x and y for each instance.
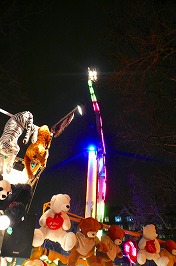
(130, 251)
(96, 107)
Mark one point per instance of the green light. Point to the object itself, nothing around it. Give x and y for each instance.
(9, 230)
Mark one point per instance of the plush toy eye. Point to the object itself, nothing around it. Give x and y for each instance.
(34, 156)
(1, 188)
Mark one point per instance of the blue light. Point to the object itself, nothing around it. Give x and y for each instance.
(91, 148)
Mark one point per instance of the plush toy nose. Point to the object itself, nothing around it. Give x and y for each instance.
(3, 196)
(118, 242)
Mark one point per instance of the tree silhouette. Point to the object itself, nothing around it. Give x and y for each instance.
(142, 37)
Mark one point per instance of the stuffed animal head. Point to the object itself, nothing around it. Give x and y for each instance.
(35, 262)
(170, 246)
(116, 234)
(60, 203)
(44, 134)
(149, 232)
(5, 189)
(90, 226)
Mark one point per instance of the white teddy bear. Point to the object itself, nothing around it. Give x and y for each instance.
(54, 224)
(149, 247)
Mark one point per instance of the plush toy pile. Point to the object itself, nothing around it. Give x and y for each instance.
(149, 247)
(87, 241)
(54, 224)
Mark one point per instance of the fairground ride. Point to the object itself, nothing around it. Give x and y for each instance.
(96, 174)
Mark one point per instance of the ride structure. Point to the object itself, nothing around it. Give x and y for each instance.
(96, 174)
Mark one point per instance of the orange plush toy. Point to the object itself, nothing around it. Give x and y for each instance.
(87, 241)
(38, 152)
(169, 251)
(112, 240)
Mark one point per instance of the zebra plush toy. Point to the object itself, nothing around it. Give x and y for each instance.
(13, 129)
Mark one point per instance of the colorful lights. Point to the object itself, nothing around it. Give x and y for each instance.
(92, 148)
(90, 210)
(130, 251)
(100, 154)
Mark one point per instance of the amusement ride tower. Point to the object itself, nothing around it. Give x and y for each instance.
(96, 174)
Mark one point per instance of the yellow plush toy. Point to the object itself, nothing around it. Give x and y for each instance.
(38, 252)
(37, 153)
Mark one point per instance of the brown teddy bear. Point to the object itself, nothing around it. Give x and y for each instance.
(112, 240)
(87, 241)
(169, 251)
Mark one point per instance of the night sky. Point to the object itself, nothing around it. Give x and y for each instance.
(58, 41)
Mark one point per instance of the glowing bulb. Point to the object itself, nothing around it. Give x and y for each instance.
(92, 148)
(80, 109)
(4, 222)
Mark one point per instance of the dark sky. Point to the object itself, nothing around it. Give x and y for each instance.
(58, 41)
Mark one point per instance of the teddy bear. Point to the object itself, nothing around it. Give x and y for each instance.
(54, 224)
(112, 240)
(169, 251)
(87, 241)
(37, 153)
(149, 247)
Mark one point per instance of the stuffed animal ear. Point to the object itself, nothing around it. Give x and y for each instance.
(67, 196)
(81, 222)
(100, 226)
(53, 198)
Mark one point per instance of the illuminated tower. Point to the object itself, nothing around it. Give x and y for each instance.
(96, 162)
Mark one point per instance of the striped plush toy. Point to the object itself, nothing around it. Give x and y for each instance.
(13, 129)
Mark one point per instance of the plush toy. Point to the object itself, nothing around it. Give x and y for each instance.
(54, 224)
(35, 262)
(39, 252)
(112, 240)
(87, 241)
(12, 131)
(38, 152)
(169, 251)
(5, 189)
(5, 261)
(149, 247)
(19, 193)
(14, 205)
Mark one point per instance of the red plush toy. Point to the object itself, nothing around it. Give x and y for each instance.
(169, 251)
(112, 240)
